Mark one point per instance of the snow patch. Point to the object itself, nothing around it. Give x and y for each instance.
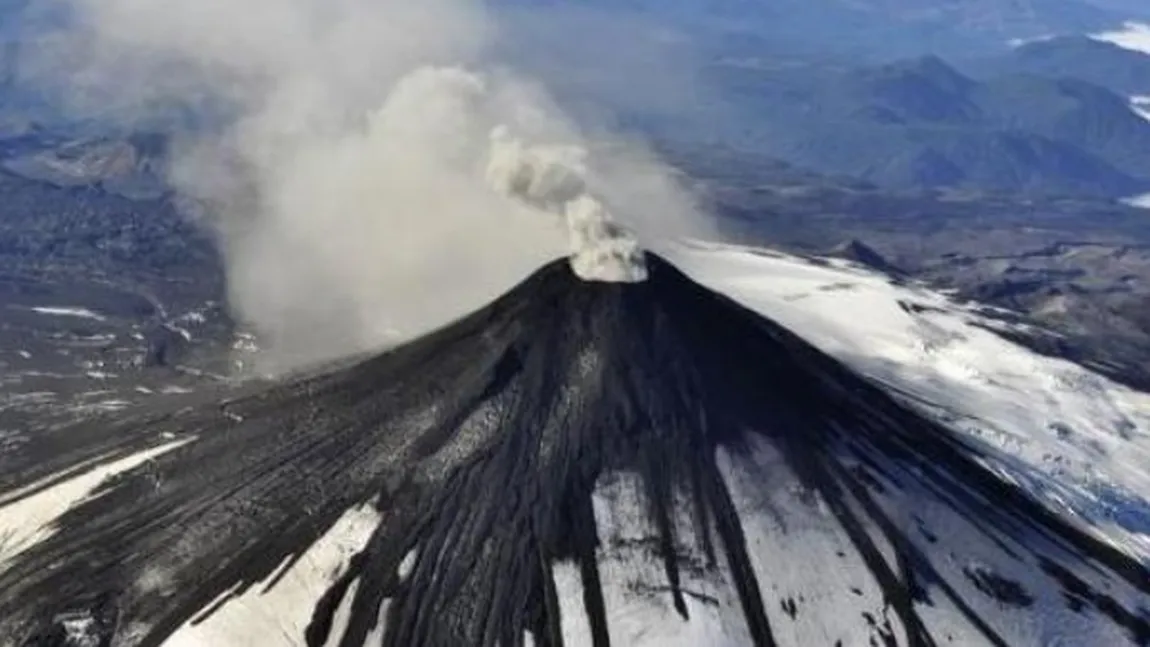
(634, 581)
(106, 406)
(28, 521)
(279, 616)
(408, 564)
(1133, 36)
(800, 554)
(182, 332)
(1141, 106)
(1140, 201)
(946, 362)
(1015, 43)
(77, 312)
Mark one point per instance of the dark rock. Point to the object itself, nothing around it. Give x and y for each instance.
(859, 252)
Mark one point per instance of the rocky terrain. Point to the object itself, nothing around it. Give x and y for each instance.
(921, 123)
(103, 301)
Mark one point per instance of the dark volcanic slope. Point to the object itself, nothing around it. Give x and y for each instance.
(811, 507)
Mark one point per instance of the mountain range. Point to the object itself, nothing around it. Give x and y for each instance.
(1123, 71)
(792, 80)
(829, 86)
(921, 122)
(1133, 8)
(873, 29)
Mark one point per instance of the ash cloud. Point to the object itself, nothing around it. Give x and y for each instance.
(373, 168)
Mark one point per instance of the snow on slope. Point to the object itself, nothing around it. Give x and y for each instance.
(283, 605)
(1141, 106)
(29, 520)
(1141, 201)
(1133, 36)
(80, 313)
(1074, 438)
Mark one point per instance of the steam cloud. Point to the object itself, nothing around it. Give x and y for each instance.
(373, 170)
(553, 179)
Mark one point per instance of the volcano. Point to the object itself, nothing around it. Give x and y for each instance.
(578, 463)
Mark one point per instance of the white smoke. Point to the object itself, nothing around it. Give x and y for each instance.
(371, 171)
(553, 179)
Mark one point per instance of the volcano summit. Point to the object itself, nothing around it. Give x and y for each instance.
(579, 463)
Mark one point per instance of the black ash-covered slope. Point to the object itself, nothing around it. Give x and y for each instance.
(811, 505)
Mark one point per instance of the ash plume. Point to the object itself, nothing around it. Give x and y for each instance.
(353, 157)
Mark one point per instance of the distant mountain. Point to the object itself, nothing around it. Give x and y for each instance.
(859, 252)
(1118, 69)
(921, 123)
(12, 22)
(878, 29)
(1072, 112)
(985, 18)
(18, 107)
(133, 167)
(1129, 8)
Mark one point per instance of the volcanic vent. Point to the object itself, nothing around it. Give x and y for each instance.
(579, 463)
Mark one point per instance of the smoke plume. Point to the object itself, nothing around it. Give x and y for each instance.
(372, 167)
(554, 180)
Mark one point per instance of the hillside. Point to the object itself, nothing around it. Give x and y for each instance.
(921, 123)
(1118, 69)
(874, 29)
